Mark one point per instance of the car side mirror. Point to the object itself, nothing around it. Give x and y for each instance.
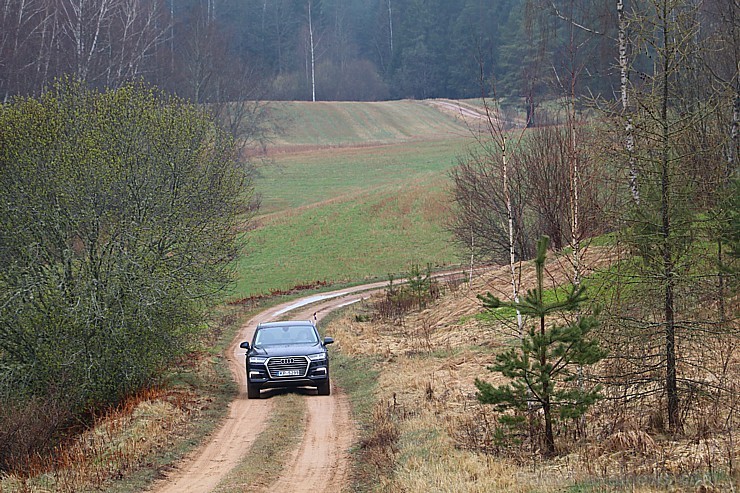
(244, 345)
(328, 340)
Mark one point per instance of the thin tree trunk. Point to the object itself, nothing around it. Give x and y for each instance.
(499, 136)
(390, 26)
(668, 268)
(512, 252)
(629, 139)
(575, 237)
(472, 250)
(313, 60)
(546, 390)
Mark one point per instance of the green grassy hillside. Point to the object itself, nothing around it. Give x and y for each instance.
(355, 209)
(367, 237)
(319, 175)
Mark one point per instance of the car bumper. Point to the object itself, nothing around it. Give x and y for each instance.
(259, 377)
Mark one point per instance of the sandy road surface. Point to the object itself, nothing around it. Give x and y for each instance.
(320, 461)
(474, 118)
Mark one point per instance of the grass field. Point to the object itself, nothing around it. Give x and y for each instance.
(375, 234)
(329, 124)
(312, 176)
(344, 212)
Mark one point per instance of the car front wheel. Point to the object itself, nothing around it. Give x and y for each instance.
(323, 388)
(253, 391)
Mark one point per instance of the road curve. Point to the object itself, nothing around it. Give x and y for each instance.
(319, 463)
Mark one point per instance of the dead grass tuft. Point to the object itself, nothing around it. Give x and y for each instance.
(635, 441)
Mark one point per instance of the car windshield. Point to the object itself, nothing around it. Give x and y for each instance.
(289, 334)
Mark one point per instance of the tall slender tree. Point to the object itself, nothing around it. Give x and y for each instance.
(669, 116)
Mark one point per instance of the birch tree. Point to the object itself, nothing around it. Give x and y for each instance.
(491, 195)
(624, 69)
(138, 30)
(662, 227)
(105, 42)
(312, 50)
(23, 32)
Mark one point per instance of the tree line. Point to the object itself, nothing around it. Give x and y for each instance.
(215, 50)
(655, 167)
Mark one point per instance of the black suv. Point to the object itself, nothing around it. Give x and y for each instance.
(287, 354)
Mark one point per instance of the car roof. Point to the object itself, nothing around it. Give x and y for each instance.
(287, 323)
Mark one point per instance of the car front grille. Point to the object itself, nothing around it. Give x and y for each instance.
(287, 367)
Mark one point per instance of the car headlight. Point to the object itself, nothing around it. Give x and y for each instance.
(317, 357)
(257, 359)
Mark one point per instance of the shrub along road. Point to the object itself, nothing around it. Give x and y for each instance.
(320, 462)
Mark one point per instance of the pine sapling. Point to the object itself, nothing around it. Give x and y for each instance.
(542, 368)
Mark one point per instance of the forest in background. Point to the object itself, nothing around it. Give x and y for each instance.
(216, 50)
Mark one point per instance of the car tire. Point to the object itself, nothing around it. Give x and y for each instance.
(323, 388)
(253, 391)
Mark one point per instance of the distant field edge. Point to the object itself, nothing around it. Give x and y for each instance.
(307, 125)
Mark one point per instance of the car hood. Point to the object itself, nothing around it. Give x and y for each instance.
(286, 350)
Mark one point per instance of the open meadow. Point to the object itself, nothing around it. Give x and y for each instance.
(353, 191)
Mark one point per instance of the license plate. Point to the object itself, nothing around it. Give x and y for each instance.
(288, 373)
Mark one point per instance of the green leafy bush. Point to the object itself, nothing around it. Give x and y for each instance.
(119, 226)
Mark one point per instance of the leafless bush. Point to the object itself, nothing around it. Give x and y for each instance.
(394, 306)
(28, 429)
(474, 430)
(420, 289)
(424, 335)
(452, 283)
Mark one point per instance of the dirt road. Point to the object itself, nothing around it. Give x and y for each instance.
(320, 462)
(474, 117)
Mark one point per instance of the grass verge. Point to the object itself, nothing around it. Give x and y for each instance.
(358, 377)
(429, 433)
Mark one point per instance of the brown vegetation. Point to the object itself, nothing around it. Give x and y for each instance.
(150, 428)
(430, 431)
(117, 443)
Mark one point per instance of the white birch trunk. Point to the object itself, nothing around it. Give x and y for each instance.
(390, 26)
(313, 59)
(629, 141)
(138, 40)
(472, 249)
(498, 135)
(575, 186)
(510, 218)
(734, 130)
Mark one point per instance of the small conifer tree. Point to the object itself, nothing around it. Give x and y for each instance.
(542, 368)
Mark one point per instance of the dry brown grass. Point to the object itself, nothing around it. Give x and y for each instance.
(445, 440)
(117, 443)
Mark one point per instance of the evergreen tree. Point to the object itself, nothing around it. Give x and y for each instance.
(543, 367)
